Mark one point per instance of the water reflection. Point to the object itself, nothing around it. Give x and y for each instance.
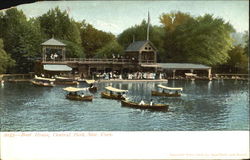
(204, 105)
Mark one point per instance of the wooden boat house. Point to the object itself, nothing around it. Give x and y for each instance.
(139, 56)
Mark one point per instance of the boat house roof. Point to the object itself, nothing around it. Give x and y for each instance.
(183, 66)
(52, 42)
(138, 45)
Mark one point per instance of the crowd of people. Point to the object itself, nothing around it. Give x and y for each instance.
(130, 76)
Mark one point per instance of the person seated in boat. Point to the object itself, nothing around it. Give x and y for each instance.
(124, 95)
(82, 95)
(111, 93)
(163, 91)
(176, 92)
(75, 94)
(151, 102)
(91, 85)
(119, 95)
(142, 102)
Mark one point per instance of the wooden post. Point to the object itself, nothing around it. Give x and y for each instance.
(174, 74)
(209, 73)
(139, 57)
(155, 57)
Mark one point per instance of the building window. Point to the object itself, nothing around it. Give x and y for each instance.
(146, 48)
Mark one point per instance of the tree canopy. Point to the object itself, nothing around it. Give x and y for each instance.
(5, 59)
(181, 37)
(204, 39)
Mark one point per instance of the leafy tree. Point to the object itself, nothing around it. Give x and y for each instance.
(73, 50)
(22, 39)
(93, 39)
(5, 59)
(58, 24)
(170, 23)
(237, 59)
(246, 47)
(203, 40)
(110, 49)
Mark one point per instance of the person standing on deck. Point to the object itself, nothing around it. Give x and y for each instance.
(151, 102)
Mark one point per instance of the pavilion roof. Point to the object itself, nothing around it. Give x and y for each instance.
(52, 42)
(183, 66)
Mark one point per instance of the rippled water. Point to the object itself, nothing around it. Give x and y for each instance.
(214, 105)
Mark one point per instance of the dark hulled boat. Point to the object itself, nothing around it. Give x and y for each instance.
(79, 98)
(161, 107)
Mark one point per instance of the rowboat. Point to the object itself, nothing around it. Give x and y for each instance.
(73, 94)
(44, 82)
(167, 91)
(66, 81)
(145, 106)
(92, 88)
(111, 95)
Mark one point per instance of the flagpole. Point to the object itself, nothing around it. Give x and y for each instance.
(148, 27)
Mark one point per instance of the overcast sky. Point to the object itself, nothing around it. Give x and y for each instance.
(115, 16)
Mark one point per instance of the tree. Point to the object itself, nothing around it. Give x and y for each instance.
(5, 59)
(93, 39)
(22, 39)
(171, 21)
(204, 40)
(58, 24)
(73, 50)
(238, 60)
(246, 47)
(110, 49)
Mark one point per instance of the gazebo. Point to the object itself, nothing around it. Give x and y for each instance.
(53, 49)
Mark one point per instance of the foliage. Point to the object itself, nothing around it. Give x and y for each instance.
(237, 58)
(246, 47)
(58, 24)
(93, 39)
(110, 49)
(5, 59)
(204, 40)
(22, 39)
(73, 50)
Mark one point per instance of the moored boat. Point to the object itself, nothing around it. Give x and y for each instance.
(73, 94)
(44, 82)
(145, 106)
(167, 91)
(112, 95)
(65, 81)
(92, 87)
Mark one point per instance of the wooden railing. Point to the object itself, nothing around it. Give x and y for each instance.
(98, 60)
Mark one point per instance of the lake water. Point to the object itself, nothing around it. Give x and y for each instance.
(205, 105)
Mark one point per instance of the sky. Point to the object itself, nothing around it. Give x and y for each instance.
(116, 16)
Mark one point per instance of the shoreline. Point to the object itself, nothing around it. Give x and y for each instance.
(133, 80)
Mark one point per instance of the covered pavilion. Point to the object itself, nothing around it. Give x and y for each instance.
(173, 67)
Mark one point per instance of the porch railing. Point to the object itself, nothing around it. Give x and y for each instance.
(98, 60)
